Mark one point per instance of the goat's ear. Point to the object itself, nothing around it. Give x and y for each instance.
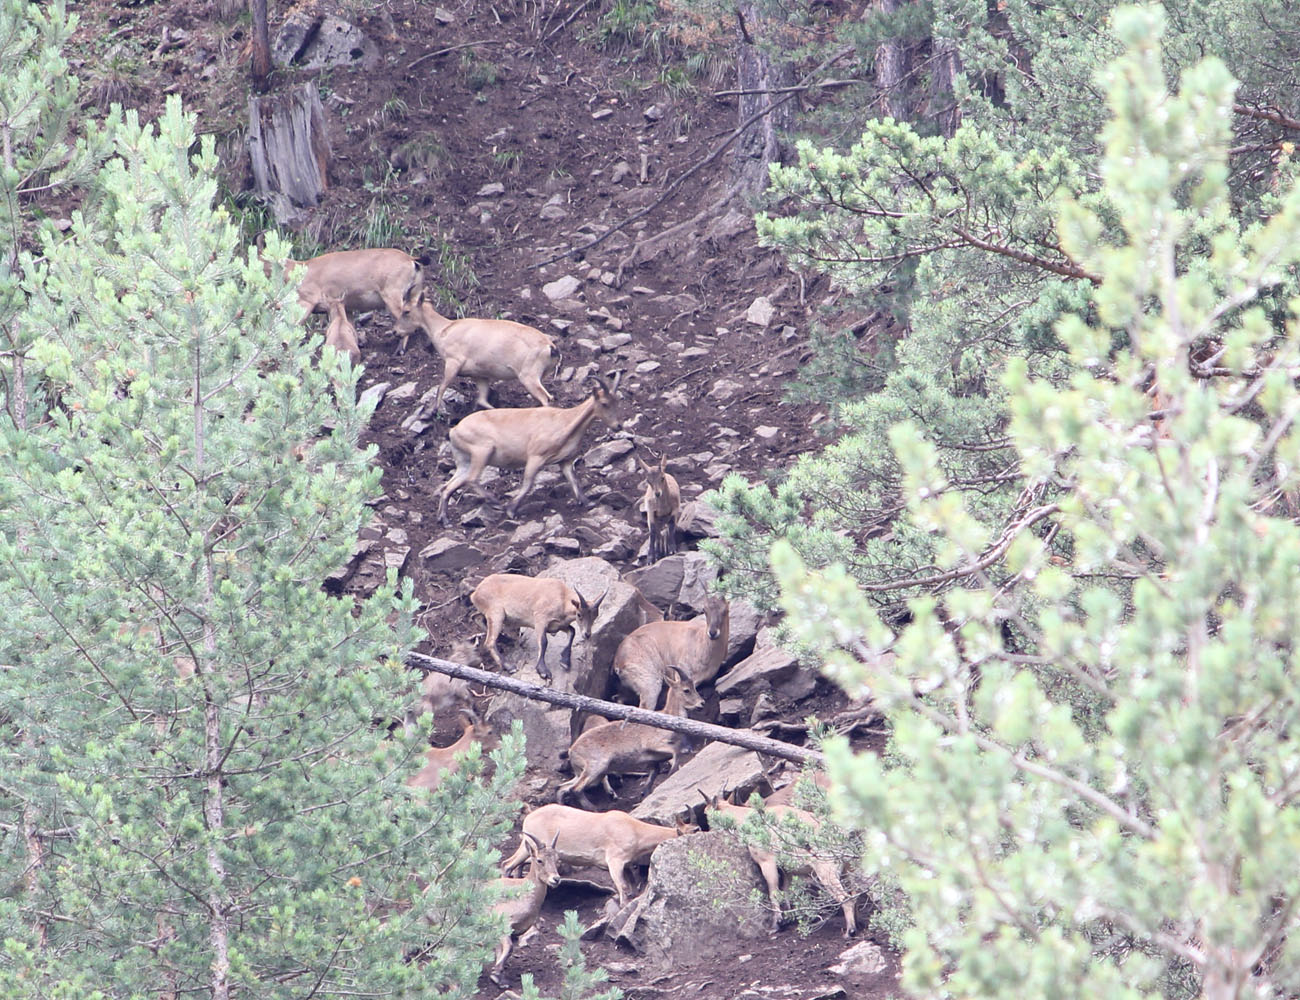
(663, 462)
(615, 377)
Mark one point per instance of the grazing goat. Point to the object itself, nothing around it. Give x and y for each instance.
(440, 692)
(624, 748)
(363, 279)
(442, 761)
(697, 648)
(610, 840)
(824, 870)
(341, 334)
(484, 350)
(531, 437)
(545, 604)
(661, 503)
(523, 909)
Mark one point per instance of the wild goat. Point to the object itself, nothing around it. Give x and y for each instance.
(523, 909)
(661, 503)
(442, 761)
(363, 279)
(440, 692)
(545, 604)
(610, 840)
(484, 350)
(697, 648)
(341, 334)
(531, 437)
(825, 870)
(623, 748)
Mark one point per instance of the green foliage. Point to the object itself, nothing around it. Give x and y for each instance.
(1090, 790)
(205, 797)
(579, 981)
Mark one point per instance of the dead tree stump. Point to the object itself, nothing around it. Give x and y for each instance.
(289, 150)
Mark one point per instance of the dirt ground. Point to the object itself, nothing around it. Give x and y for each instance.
(580, 139)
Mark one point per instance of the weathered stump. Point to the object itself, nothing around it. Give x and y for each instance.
(289, 150)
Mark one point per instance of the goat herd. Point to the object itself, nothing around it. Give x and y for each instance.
(660, 659)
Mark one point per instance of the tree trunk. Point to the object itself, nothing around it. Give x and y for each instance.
(289, 149)
(891, 71)
(261, 47)
(943, 102)
(760, 77)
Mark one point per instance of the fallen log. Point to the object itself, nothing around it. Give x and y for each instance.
(613, 710)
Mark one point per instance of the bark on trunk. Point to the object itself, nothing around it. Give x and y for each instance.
(289, 150)
(943, 103)
(891, 71)
(261, 47)
(760, 75)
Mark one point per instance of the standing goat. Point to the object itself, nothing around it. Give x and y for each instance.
(363, 279)
(624, 748)
(530, 438)
(482, 349)
(697, 648)
(341, 334)
(545, 604)
(610, 840)
(442, 761)
(441, 692)
(825, 870)
(525, 907)
(661, 503)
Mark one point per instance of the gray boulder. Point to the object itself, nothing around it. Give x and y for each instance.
(315, 43)
(697, 903)
(718, 768)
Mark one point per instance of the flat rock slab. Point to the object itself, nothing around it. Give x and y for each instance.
(443, 554)
(717, 768)
(767, 665)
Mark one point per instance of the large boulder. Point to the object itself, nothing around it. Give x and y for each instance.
(716, 769)
(698, 902)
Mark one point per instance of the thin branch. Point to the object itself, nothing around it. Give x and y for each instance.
(1066, 270)
(451, 48)
(1268, 115)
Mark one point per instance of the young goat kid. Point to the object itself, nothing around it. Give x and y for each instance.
(531, 438)
(484, 350)
(523, 909)
(625, 748)
(341, 334)
(610, 840)
(661, 503)
(546, 604)
(697, 648)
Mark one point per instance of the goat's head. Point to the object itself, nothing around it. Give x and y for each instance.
(544, 858)
(605, 393)
(684, 687)
(717, 615)
(587, 613)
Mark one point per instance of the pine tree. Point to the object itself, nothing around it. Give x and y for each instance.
(198, 729)
(958, 239)
(1091, 784)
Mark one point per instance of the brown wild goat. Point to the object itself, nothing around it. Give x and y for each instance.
(610, 840)
(545, 604)
(523, 909)
(484, 350)
(442, 761)
(825, 870)
(697, 648)
(363, 279)
(661, 503)
(625, 748)
(531, 438)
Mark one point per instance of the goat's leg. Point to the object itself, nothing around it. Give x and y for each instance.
(617, 867)
(825, 872)
(531, 468)
(396, 303)
(543, 671)
(533, 383)
(482, 398)
(567, 469)
(566, 657)
(469, 466)
(772, 877)
(450, 370)
(495, 619)
(504, 948)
